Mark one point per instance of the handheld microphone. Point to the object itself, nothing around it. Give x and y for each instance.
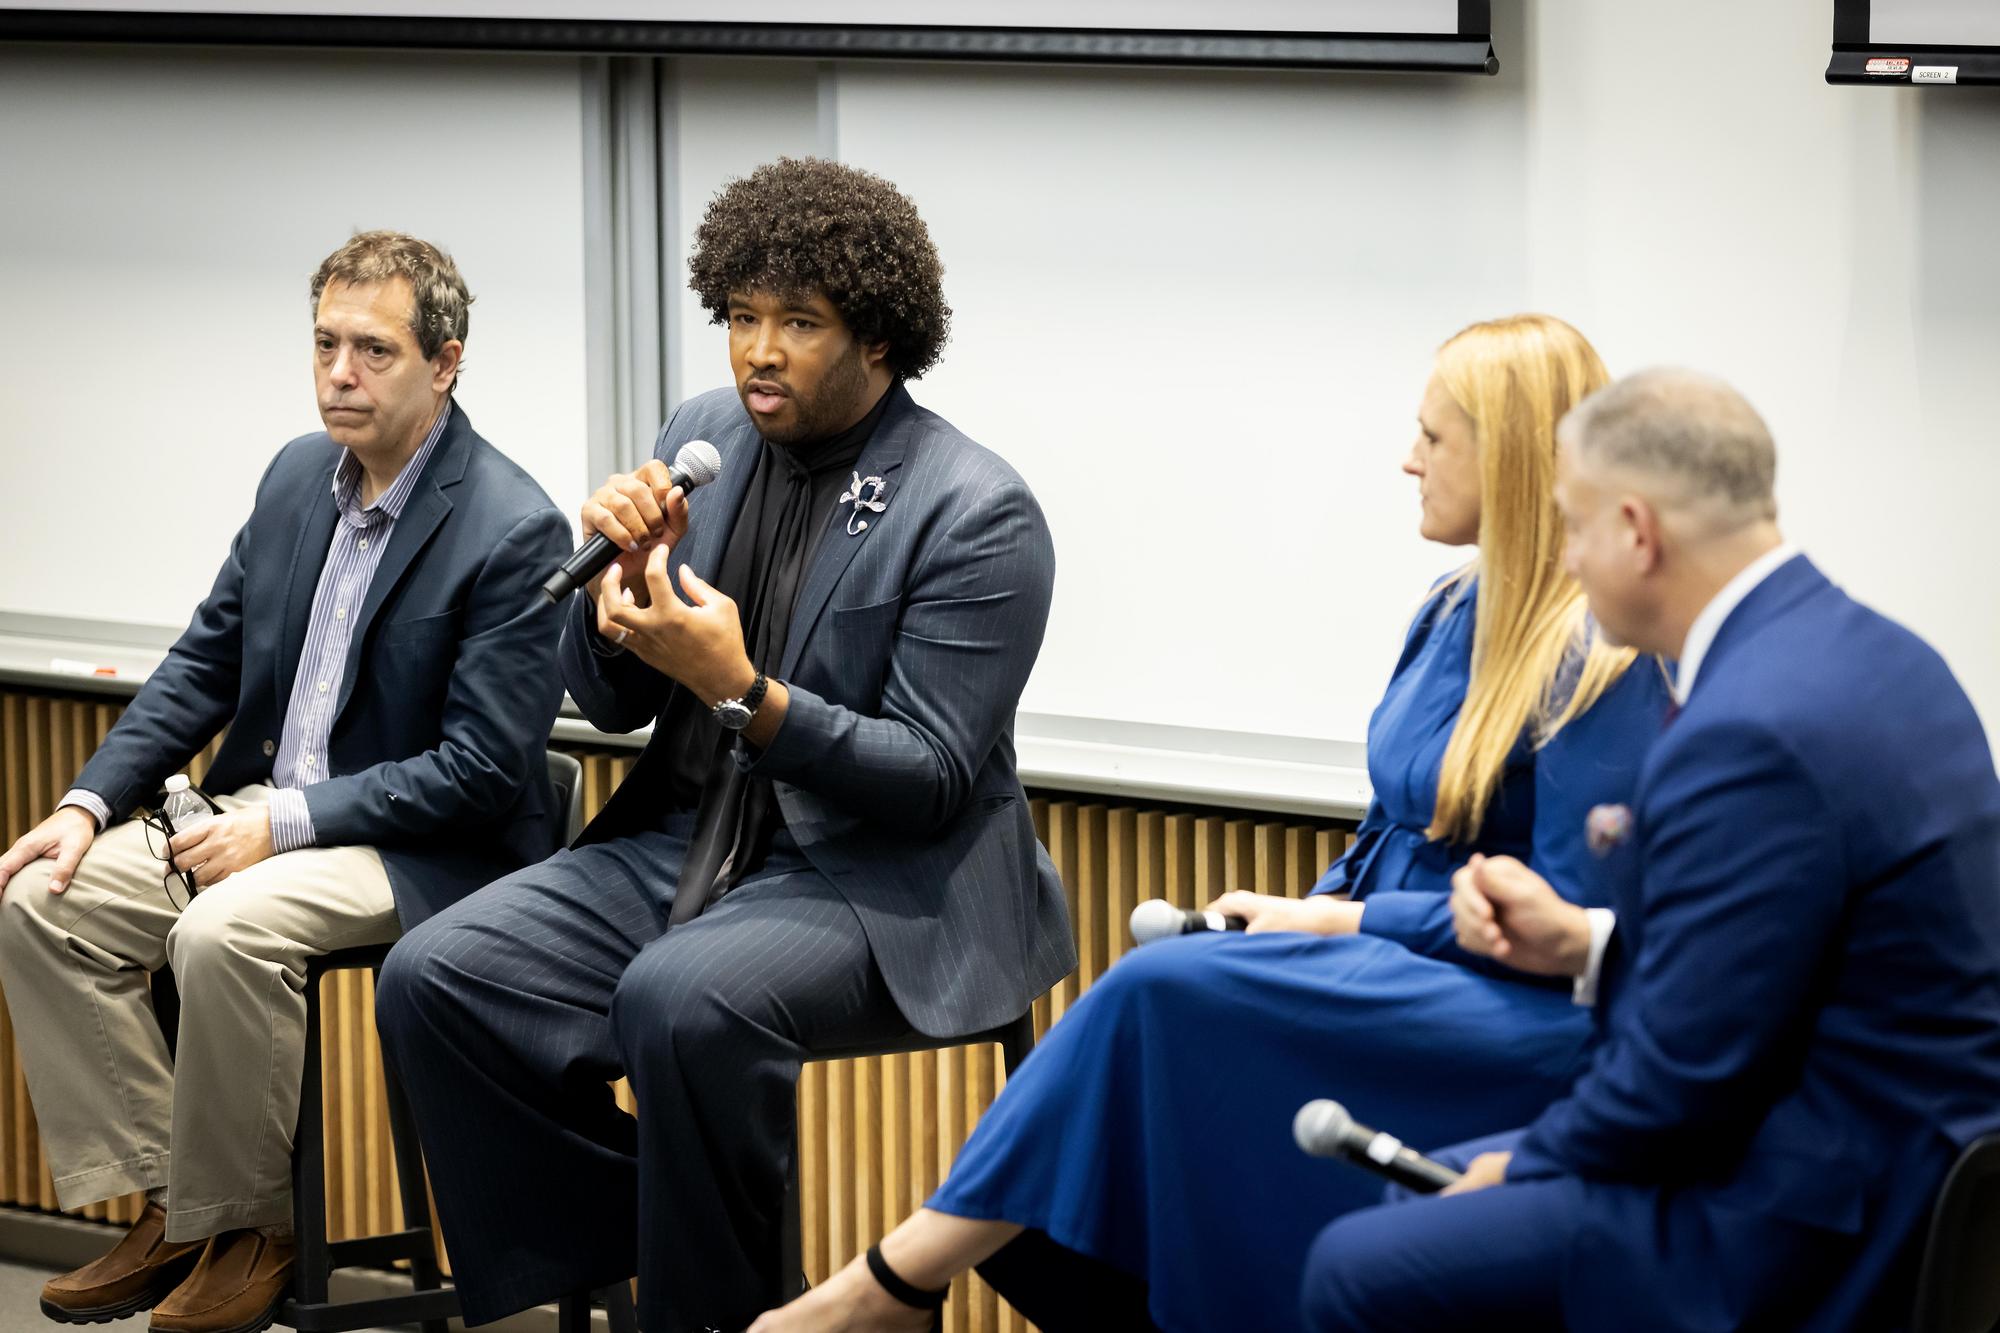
(1156, 918)
(696, 464)
(1324, 1129)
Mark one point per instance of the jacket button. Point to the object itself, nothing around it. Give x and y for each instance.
(270, 748)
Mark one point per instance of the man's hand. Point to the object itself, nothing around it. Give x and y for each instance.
(1506, 912)
(635, 510)
(701, 646)
(224, 844)
(1320, 915)
(1487, 1169)
(63, 838)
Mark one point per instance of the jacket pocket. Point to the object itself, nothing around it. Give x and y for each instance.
(422, 629)
(854, 651)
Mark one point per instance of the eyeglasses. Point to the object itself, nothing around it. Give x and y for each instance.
(179, 884)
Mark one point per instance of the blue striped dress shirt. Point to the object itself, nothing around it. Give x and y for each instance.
(359, 538)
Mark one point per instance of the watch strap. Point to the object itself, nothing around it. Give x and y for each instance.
(753, 698)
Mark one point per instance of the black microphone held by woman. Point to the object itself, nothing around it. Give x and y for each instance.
(696, 464)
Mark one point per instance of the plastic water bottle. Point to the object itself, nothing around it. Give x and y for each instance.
(184, 807)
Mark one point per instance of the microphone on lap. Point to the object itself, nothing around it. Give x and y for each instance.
(1323, 1128)
(1156, 919)
(696, 464)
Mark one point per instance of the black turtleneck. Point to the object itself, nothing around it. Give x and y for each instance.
(787, 509)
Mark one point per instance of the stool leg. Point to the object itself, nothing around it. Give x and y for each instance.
(791, 1245)
(424, 1272)
(1018, 1042)
(618, 1312)
(312, 1261)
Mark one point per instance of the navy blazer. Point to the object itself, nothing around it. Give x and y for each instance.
(436, 757)
(894, 769)
(1800, 1009)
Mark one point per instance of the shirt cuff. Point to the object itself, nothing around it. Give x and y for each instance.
(1602, 922)
(291, 821)
(90, 803)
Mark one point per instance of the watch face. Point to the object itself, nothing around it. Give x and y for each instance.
(732, 714)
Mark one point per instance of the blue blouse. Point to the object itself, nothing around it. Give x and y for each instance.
(1537, 812)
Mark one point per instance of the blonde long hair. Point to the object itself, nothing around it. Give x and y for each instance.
(1534, 659)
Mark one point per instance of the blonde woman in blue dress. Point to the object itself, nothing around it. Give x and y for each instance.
(1138, 1171)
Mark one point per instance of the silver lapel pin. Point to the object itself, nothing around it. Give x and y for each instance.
(864, 494)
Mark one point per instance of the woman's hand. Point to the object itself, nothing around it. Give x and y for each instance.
(1485, 1171)
(1320, 915)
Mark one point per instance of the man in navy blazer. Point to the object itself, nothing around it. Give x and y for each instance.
(825, 842)
(376, 647)
(1798, 991)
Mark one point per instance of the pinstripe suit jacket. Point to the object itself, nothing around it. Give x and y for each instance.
(894, 768)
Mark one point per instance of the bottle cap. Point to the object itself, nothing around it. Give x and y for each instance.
(178, 782)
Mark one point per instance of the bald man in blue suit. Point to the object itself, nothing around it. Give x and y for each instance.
(1798, 990)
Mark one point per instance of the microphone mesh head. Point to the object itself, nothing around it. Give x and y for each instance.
(1154, 919)
(1320, 1126)
(699, 462)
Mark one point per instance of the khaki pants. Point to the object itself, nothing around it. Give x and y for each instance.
(116, 1113)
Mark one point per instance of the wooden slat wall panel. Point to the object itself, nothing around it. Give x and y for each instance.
(875, 1136)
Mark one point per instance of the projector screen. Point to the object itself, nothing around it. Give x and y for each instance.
(1436, 35)
(1934, 23)
(1309, 16)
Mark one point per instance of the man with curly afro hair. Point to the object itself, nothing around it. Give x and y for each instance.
(824, 844)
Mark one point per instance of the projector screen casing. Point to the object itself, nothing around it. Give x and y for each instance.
(1866, 31)
(1466, 51)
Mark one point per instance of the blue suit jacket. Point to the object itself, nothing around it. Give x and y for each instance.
(909, 645)
(436, 754)
(1801, 1006)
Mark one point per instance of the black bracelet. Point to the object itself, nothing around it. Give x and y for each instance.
(914, 1297)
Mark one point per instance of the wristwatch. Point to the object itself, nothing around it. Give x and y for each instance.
(735, 714)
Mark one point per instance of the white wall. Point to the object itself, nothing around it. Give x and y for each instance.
(163, 213)
(1698, 194)
(1161, 277)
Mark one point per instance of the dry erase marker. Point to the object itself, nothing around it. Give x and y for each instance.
(70, 666)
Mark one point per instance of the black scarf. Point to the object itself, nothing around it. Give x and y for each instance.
(787, 509)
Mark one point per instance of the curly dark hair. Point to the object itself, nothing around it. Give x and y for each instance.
(802, 225)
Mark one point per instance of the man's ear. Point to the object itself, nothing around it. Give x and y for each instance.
(1642, 533)
(450, 359)
(874, 354)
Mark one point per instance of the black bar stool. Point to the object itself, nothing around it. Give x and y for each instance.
(1958, 1289)
(431, 1302)
(1015, 1040)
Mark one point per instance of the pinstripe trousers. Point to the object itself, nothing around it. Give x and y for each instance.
(507, 1016)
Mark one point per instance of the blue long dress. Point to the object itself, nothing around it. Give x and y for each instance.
(1146, 1144)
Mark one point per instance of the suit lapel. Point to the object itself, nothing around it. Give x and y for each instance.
(882, 459)
(308, 558)
(422, 515)
(419, 520)
(713, 508)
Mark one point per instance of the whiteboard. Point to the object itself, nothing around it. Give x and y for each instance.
(1201, 335)
(165, 213)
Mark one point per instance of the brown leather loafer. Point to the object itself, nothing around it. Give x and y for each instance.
(236, 1288)
(136, 1274)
